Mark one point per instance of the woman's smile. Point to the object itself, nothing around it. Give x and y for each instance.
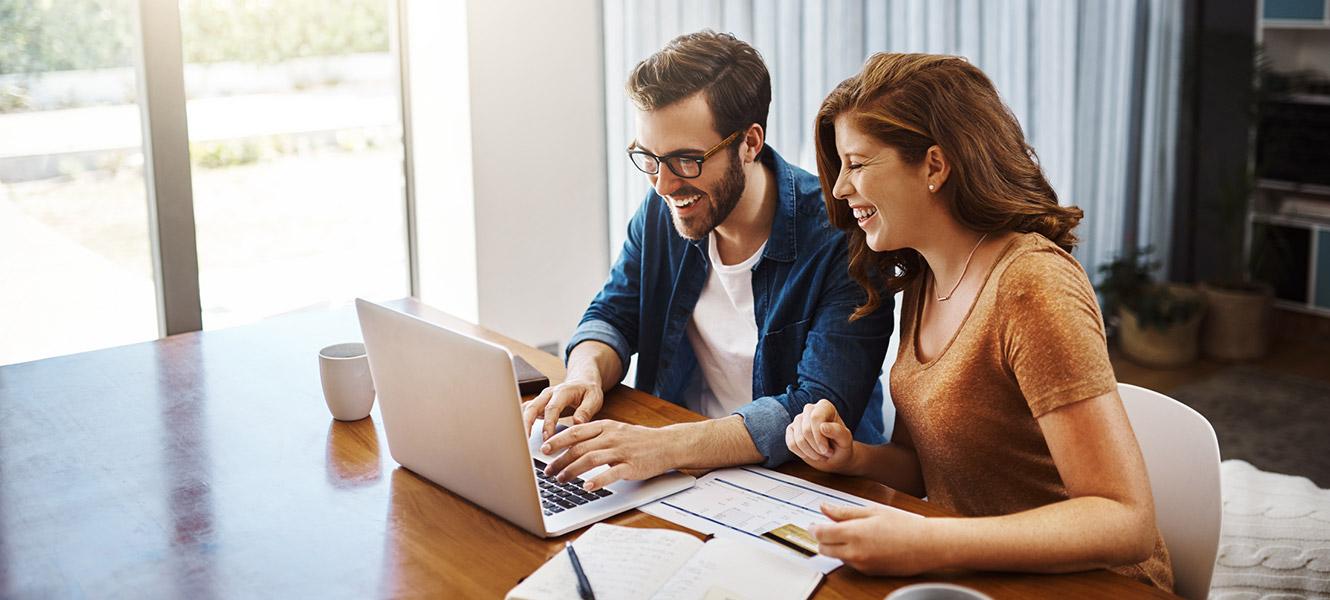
(863, 214)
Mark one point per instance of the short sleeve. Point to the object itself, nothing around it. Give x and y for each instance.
(1053, 333)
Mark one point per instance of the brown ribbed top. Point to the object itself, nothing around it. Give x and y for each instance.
(1033, 342)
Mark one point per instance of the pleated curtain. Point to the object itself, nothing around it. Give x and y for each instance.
(1094, 83)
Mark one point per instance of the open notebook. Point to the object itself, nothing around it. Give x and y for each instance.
(624, 563)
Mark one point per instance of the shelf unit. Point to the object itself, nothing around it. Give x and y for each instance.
(1295, 14)
(1288, 225)
(1288, 245)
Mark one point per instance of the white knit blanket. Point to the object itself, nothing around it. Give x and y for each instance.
(1275, 543)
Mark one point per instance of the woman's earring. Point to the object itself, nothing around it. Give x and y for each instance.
(931, 187)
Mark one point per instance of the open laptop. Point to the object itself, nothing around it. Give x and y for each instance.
(453, 415)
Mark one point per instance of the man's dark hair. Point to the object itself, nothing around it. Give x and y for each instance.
(730, 72)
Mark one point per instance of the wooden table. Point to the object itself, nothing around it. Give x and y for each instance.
(206, 465)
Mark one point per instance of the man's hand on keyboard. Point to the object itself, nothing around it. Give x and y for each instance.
(631, 451)
(584, 398)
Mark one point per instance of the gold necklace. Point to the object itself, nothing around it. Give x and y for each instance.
(965, 269)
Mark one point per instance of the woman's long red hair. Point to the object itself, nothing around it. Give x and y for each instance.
(912, 102)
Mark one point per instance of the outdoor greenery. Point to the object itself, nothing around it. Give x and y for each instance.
(221, 154)
(60, 35)
(267, 31)
(1129, 283)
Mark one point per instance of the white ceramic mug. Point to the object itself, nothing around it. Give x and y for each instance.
(936, 591)
(347, 386)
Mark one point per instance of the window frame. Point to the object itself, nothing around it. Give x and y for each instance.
(167, 176)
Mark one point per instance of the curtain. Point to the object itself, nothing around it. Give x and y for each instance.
(1094, 83)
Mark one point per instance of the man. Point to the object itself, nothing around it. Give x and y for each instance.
(731, 287)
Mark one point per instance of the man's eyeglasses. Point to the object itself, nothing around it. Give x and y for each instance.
(686, 166)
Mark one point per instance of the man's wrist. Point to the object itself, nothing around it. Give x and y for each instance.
(590, 361)
(709, 444)
(581, 378)
(582, 370)
(680, 437)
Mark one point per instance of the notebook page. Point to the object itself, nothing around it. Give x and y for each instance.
(726, 569)
(622, 563)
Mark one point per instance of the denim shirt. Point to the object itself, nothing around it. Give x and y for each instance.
(807, 348)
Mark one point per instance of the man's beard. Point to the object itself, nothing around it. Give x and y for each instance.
(719, 205)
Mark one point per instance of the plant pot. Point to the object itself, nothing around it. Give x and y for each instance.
(1237, 321)
(1172, 346)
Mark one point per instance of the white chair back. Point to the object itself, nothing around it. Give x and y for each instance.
(1182, 456)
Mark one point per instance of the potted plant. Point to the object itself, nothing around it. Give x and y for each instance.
(1158, 324)
(1238, 308)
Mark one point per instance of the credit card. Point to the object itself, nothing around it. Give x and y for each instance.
(793, 537)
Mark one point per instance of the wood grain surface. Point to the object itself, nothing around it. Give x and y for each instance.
(206, 465)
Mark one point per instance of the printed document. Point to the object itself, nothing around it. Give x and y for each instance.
(745, 503)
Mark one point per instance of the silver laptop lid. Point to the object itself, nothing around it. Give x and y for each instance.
(452, 411)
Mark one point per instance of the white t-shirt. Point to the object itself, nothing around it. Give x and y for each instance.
(723, 332)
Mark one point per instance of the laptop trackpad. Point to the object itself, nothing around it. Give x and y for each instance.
(534, 440)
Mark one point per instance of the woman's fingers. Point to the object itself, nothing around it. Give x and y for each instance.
(840, 512)
(792, 442)
(824, 411)
(838, 434)
(798, 442)
(812, 433)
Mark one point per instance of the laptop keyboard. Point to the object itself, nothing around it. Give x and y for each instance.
(557, 497)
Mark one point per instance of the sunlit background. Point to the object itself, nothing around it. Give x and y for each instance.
(296, 150)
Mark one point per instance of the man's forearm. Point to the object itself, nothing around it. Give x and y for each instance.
(711, 444)
(595, 361)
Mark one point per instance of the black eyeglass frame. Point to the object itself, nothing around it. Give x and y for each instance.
(669, 159)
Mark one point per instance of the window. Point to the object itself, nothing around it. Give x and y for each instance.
(296, 165)
(75, 263)
(296, 155)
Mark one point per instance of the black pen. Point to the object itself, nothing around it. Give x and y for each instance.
(583, 586)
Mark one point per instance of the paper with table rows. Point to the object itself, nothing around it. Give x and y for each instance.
(743, 503)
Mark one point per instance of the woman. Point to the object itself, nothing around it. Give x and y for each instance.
(1007, 406)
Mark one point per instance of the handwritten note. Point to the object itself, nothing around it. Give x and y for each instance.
(629, 563)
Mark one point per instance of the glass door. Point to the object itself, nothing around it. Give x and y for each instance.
(296, 151)
(75, 264)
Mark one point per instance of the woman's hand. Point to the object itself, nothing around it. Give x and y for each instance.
(876, 540)
(821, 439)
